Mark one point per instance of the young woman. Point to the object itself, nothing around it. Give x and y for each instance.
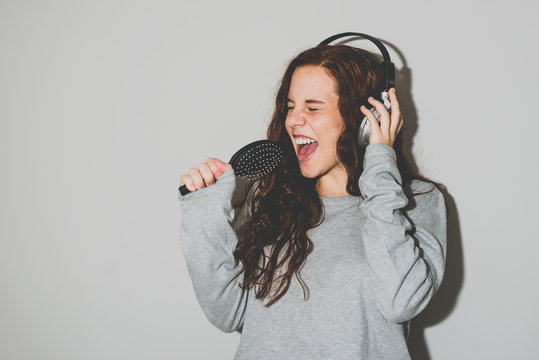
(339, 247)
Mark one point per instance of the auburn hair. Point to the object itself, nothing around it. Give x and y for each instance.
(273, 243)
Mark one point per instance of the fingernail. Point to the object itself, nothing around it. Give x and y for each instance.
(218, 175)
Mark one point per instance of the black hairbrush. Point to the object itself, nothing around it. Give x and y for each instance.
(253, 161)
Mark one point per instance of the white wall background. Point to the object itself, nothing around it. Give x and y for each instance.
(103, 104)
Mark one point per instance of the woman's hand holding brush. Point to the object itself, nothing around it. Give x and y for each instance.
(205, 175)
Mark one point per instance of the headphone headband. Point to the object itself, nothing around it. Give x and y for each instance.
(387, 66)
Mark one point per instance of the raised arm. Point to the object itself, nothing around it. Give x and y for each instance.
(405, 243)
(208, 241)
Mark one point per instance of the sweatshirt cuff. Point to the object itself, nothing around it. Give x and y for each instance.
(379, 149)
(226, 181)
(380, 171)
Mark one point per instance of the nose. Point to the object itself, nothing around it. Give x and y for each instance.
(295, 118)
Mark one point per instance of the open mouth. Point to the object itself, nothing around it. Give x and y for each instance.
(306, 147)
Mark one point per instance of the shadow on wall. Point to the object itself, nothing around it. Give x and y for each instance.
(444, 301)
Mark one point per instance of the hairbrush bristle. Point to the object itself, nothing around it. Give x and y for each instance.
(257, 159)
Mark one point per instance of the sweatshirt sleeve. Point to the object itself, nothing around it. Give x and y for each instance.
(405, 240)
(208, 241)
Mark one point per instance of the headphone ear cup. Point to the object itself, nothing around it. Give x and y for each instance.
(364, 132)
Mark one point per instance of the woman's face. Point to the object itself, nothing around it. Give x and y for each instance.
(314, 122)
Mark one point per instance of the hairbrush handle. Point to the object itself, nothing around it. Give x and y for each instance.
(184, 190)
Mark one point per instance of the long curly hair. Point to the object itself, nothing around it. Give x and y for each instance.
(273, 243)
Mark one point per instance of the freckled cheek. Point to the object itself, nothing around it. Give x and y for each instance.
(287, 123)
(331, 142)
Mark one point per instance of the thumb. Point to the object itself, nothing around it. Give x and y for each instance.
(222, 167)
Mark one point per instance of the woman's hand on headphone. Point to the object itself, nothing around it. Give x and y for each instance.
(390, 124)
(205, 175)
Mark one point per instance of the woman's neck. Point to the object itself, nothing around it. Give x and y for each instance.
(333, 184)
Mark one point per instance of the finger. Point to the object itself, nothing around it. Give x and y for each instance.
(222, 166)
(214, 168)
(188, 182)
(400, 125)
(385, 121)
(395, 106)
(207, 174)
(197, 178)
(375, 127)
(396, 118)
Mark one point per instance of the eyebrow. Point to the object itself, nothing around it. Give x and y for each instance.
(309, 101)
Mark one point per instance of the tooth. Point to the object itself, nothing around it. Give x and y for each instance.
(304, 141)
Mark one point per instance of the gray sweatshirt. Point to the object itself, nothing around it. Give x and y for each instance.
(376, 264)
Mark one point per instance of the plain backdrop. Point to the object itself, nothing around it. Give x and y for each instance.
(104, 104)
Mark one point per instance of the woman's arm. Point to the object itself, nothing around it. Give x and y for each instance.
(208, 241)
(406, 254)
